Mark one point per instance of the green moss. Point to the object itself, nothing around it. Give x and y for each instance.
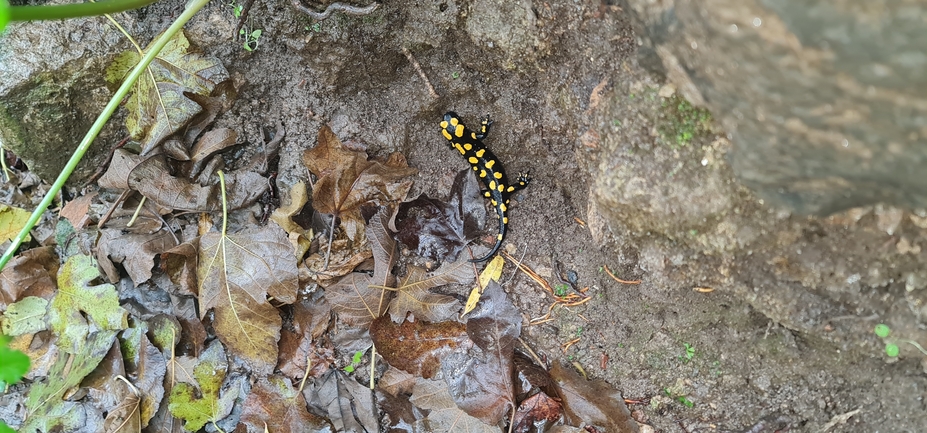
(681, 122)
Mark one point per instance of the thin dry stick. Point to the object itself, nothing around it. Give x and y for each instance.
(302, 383)
(421, 73)
(610, 274)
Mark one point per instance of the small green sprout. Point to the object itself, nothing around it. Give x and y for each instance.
(355, 361)
(251, 39)
(891, 348)
(236, 9)
(455, 75)
(690, 352)
(561, 290)
(680, 398)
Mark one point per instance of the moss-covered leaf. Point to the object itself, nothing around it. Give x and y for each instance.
(78, 298)
(24, 317)
(157, 106)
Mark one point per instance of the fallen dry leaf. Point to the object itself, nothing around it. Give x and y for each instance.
(418, 347)
(300, 343)
(350, 405)
(347, 180)
(413, 292)
(355, 302)
(443, 413)
(31, 273)
(591, 402)
(480, 381)
(236, 274)
(75, 211)
(136, 252)
(273, 405)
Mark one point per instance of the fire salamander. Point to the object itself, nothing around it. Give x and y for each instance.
(487, 167)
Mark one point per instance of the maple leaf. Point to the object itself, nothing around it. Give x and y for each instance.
(481, 381)
(418, 347)
(77, 299)
(413, 293)
(444, 415)
(440, 229)
(236, 273)
(274, 405)
(202, 403)
(157, 105)
(348, 180)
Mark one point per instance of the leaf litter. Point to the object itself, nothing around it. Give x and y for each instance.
(233, 341)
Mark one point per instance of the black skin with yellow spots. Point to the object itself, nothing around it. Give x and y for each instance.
(487, 167)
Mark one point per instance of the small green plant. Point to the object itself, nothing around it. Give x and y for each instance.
(355, 361)
(680, 398)
(250, 38)
(236, 9)
(561, 289)
(455, 75)
(690, 352)
(891, 347)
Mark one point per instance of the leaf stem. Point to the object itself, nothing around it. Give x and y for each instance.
(225, 219)
(192, 7)
(60, 12)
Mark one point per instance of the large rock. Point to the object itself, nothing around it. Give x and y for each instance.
(826, 101)
(53, 88)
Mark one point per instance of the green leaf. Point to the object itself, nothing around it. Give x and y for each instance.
(157, 106)
(24, 317)
(46, 410)
(77, 298)
(891, 350)
(4, 19)
(13, 363)
(199, 406)
(12, 221)
(882, 330)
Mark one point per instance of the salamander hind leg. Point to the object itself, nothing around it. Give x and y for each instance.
(485, 123)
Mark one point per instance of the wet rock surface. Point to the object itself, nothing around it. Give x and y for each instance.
(825, 102)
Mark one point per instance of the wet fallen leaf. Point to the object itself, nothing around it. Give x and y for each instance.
(31, 273)
(152, 179)
(136, 252)
(145, 367)
(413, 292)
(440, 229)
(211, 143)
(347, 180)
(24, 317)
(157, 105)
(78, 301)
(75, 210)
(201, 403)
(273, 405)
(46, 407)
(299, 342)
(350, 405)
(125, 417)
(355, 302)
(443, 413)
(418, 347)
(12, 221)
(535, 413)
(236, 274)
(383, 248)
(283, 216)
(480, 381)
(591, 402)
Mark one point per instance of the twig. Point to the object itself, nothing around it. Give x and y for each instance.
(421, 73)
(838, 419)
(302, 383)
(531, 352)
(610, 274)
(125, 194)
(335, 7)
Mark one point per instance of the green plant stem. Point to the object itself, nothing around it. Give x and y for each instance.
(60, 12)
(111, 107)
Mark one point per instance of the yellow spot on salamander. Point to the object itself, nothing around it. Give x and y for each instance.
(468, 146)
(479, 153)
(497, 175)
(459, 131)
(459, 148)
(447, 135)
(499, 236)
(473, 135)
(491, 163)
(492, 184)
(455, 121)
(475, 168)
(472, 160)
(487, 194)
(443, 124)
(502, 207)
(494, 203)
(505, 220)
(501, 187)
(482, 172)
(510, 189)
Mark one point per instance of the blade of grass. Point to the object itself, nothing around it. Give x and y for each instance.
(191, 9)
(60, 12)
